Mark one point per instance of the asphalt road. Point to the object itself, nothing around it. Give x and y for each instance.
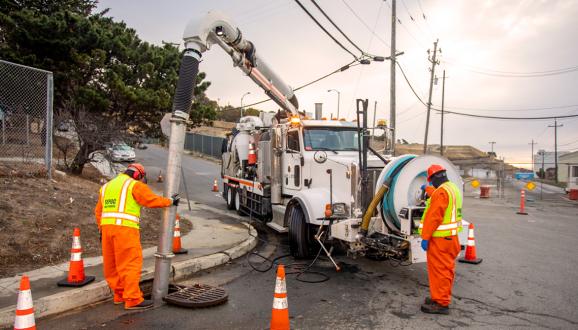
(527, 280)
(199, 174)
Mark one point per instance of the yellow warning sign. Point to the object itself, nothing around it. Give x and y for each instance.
(475, 183)
(530, 185)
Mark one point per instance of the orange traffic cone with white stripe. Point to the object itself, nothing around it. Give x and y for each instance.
(76, 277)
(252, 158)
(280, 313)
(24, 309)
(470, 256)
(522, 203)
(177, 248)
(215, 186)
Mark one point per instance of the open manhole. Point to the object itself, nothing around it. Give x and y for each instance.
(196, 296)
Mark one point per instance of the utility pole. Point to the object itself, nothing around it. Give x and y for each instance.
(556, 147)
(442, 128)
(374, 114)
(492, 143)
(433, 68)
(392, 123)
(533, 143)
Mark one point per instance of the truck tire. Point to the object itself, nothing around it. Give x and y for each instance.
(299, 244)
(237, 200)
(230, 197)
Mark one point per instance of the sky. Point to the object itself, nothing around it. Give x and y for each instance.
(483, 43)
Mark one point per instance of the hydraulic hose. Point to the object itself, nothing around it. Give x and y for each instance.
(372, 206)
(187, 78)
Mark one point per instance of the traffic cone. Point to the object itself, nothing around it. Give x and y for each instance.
(215, 186)
(280, 313)
(252, 158)
(522, 203)
(177, 248)
(470, 257)
(76, 277)
(24, 309)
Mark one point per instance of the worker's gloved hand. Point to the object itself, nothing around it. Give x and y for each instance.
(176, 199)
(422, 187)
(424, 244)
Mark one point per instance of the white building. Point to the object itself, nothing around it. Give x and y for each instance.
(545, 159)
(568, 169)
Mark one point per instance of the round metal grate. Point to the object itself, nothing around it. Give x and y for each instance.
(196, 296)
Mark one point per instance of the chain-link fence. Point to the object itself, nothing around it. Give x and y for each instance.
(205, 144)
(26, 96)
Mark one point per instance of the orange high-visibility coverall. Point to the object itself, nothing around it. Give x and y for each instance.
(442, 251)
(121, 249)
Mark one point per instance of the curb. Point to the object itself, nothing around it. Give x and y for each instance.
(99, 291)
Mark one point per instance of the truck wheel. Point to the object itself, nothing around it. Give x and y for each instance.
(299, 244)
(238, 202)
(230, 197)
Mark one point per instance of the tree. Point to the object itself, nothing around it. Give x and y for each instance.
(102, 70)
(233, 114)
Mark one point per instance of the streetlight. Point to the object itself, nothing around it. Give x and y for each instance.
(338, 98)
(242, 97)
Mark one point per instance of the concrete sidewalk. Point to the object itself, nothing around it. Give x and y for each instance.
(216, 238)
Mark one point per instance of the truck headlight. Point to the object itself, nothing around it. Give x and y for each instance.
(339, 209)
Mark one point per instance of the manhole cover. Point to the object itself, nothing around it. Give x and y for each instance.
(196, 296)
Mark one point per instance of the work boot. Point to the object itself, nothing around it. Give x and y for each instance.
(143, 305)
(435, 308)
(427, 301)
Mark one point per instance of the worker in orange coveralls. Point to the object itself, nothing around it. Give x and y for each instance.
(118, 217)
(439, 227)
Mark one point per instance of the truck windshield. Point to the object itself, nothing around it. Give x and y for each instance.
(330, 138)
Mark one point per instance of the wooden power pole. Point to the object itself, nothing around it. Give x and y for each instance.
(556, 147)
(392, 123)
(442, 128)
(533, 143)
(434, 62)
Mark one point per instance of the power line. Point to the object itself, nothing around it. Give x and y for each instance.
(340, 69)
(337, 27)
(511, 74)
(480, 116)
(325, 30)
(365, 24)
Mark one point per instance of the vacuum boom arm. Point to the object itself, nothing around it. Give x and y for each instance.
(215, 28)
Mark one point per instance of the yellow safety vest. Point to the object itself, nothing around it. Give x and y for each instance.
(452, 223)
(118, 206)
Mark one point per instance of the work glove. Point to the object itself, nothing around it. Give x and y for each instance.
(424, 244)
(176, 199)
(422, 187)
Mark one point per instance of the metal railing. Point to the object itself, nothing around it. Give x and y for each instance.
(205, 144)
(26, 97)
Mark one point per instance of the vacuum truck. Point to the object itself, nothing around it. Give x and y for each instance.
(317, 180)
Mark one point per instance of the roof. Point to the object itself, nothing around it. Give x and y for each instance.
(569, 155)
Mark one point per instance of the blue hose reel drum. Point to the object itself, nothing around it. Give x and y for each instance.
(408, 173)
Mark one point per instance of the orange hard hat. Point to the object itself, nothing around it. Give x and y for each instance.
(435, 168)
(138, 169)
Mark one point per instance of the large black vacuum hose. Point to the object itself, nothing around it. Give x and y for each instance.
(187, 79)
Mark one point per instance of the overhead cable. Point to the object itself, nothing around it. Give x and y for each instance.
(335, 26)
(365, 24)
(510, 74)
(325, 30)
(340, 69)
(479, 116)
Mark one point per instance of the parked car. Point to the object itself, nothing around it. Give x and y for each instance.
(120, 153)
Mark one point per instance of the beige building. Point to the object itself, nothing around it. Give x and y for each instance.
(568, 169)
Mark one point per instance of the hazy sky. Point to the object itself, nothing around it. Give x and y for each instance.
(484, 36)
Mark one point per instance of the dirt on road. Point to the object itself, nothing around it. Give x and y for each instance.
(38, 215)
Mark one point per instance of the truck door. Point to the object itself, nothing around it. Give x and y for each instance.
(292, 169)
